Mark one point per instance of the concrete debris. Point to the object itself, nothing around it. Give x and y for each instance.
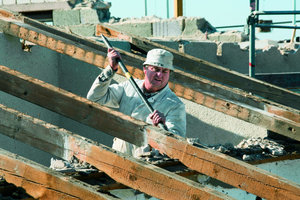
(95, 4)
(228, 36)
(131, 194)
(248, 149)
(73, 165)
(252, 149)
(152, 156)
(259, 44)
(288, 48)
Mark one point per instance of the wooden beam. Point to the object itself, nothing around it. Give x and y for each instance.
(134, 173)
(212, 71)
(178, 11)
(224, 168)
(42, 183)
(108, 121)
(138, 175)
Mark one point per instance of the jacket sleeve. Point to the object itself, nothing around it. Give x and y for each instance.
(176, 120)
(104, 93)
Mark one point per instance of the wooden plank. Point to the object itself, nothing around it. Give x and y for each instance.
(134, 173)
(224, 168)
(212, 71)
(109, 121)
(178, 11)
(42, 183)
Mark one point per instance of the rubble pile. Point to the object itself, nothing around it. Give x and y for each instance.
(73, 165)
(253, 149)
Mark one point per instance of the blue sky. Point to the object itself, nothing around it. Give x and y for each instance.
(217, 12)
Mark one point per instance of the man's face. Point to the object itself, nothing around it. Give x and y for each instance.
(156, 78)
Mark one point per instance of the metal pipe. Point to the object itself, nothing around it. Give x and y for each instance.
(133, 83)
(294, 10)
(277, 26)
(288, 12)
(146, 8)
(252, 20)
(168, 10)
(239, 26)
(252, 50)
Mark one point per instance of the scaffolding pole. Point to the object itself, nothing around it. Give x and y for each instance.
(251, 21)
(178, 11)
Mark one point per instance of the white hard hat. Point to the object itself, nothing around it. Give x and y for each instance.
(160, 58)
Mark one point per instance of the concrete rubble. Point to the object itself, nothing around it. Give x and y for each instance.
(255, 148)
(72, 165)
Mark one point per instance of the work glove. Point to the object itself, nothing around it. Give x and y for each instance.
(112, 56)
(157, 117)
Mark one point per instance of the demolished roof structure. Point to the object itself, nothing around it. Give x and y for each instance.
(200, 85)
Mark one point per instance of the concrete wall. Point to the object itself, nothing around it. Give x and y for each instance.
(29, 63)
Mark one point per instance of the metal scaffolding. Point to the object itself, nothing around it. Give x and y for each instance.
(253, 23)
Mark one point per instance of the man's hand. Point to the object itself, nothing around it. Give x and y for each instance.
(157, 117)
(112, 56)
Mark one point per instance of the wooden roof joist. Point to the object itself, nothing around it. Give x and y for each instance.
(209, 70)
(42, 183)
(233, 102)
(216, 165)
(136, 174)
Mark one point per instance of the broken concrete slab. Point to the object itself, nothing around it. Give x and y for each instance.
(197, 28)
(259, 44)
(168, 28)
(228, 36)
(66, 17)
(141, 28)
(89, 16)
(85, 15)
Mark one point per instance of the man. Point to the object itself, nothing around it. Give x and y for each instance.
(169, 110)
